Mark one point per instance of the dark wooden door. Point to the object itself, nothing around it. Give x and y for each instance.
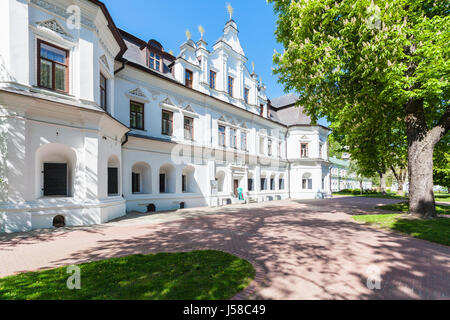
(162, 183)
(55, 179)
(113, 180)
(236, 186)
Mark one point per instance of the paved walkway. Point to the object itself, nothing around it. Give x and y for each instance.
(300, 249)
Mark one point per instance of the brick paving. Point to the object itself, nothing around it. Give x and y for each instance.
(300, 249)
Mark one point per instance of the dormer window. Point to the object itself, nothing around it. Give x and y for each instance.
(212, 79)
(230, 85)
(188, 76)
(246, 92)
(154, 61)
(53, 67)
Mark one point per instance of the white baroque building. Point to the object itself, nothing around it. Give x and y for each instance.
(95, 122)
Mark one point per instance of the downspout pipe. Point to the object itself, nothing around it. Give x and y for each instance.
(124, 62)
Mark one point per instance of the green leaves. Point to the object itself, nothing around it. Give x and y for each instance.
(357, 62)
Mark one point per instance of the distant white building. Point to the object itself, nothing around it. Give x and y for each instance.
(342, 178)
(95, 122)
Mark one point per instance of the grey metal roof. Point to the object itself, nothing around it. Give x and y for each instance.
(285, 112)
(284, 100)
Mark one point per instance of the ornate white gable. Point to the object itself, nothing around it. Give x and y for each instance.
(137, 94)
(55, 26)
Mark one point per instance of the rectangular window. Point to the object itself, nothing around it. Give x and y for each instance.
(261, 109)
(222, 136)
(230, 85)
(263, 184)
(136, 182)
(154, 61)
(188, 128)
(303, 150)
(269, 147)
(233, 138)
(281, 184)
(162, 183)
(136, 115)
(250, 185)
(183, 183)
(55, 179)
(272, 184)
(167, 123)
(188, 76)
(113, 181)
(53, 67)
(103, 92)
(212, 79)
(246, 92)
(244, 140)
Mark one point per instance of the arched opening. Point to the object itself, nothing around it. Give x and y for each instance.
(56, 169)
(167, 179)
(220, 178)
(272, 182)
(113, 175)
(141, 178)
(307, 181)
(188, 183)
(59, 221)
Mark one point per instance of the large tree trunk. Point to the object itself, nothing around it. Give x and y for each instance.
(382, 182)
(421, 142)
(400, 176)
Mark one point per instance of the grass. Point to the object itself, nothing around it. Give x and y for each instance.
(388, 195)
(404, 207)
(435, 230)
(442, 197)
(196, 275)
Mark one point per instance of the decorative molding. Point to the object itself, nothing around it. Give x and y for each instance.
(168, 104)
(54, 25)
(138, 94)
(190, 112)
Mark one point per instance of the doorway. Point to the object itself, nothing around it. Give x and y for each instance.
(236, 186)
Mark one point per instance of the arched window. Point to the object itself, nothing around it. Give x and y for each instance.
(307, 181)
(188, 183)
(141, 178)
(167, 179)
(56, 169)
(113, 175)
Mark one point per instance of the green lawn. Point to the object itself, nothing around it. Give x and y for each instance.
(435, 230)
(404, 207)
(442, 197)
(388, 195)
(206, 275)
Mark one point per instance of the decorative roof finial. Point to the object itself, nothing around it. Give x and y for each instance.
(188, 34)
(230, 10)
(201, 30)
(253, 66)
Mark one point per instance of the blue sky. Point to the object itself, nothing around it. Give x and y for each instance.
(167, 21)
